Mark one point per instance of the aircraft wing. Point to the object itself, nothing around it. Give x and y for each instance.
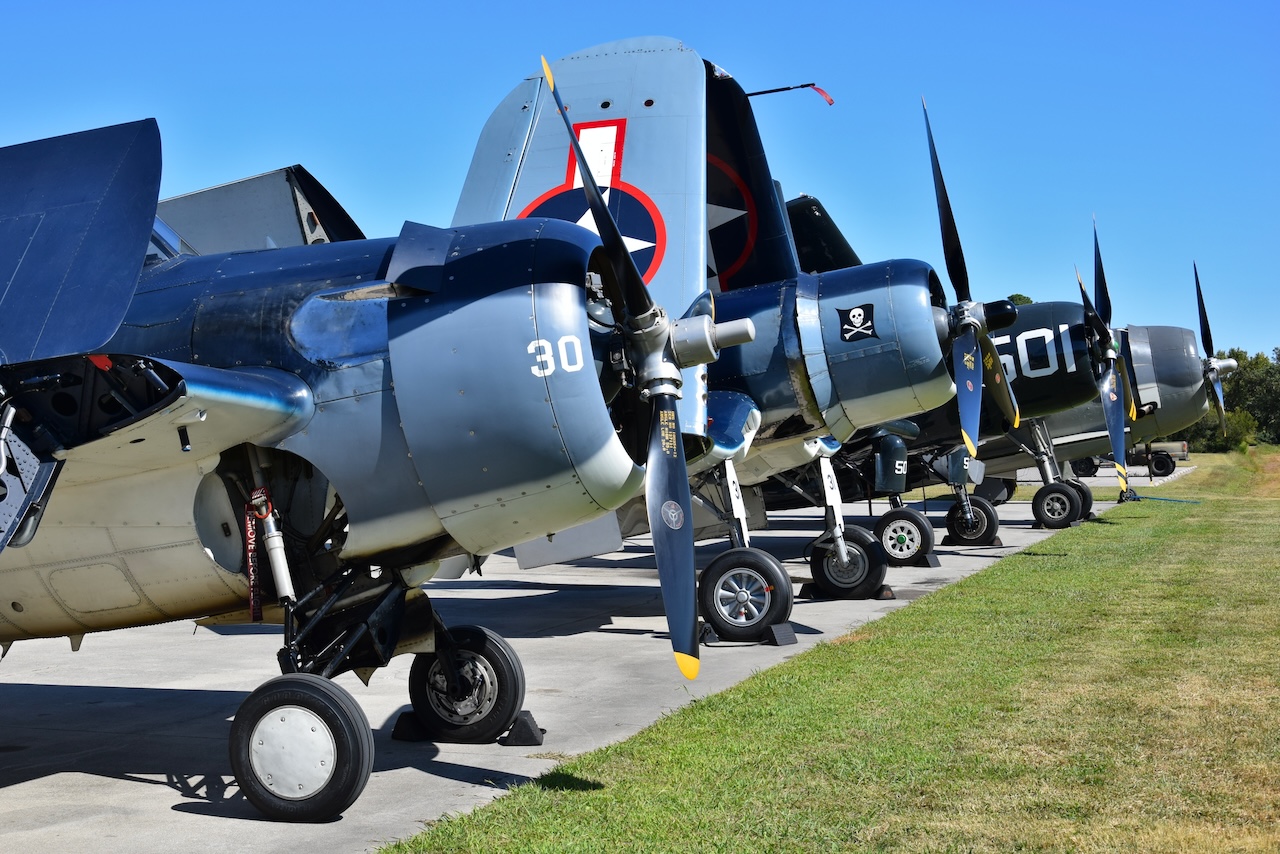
(76, 214)
(820, 244)
(210, 410)
(150, 416)
(287, 207)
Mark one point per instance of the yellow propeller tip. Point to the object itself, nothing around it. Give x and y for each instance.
(546, 70)
(688, 665)
(968, 445)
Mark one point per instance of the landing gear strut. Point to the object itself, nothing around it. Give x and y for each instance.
(1060, 503)
(745, 590)
(847, 562)
(301, 748)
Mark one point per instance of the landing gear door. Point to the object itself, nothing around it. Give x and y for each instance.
(25, 481)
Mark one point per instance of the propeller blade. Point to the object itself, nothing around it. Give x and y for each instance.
(1130, 399)
(1219, 403)
(1091, 316)
(1101, 296)
(634, 293)
(671, 523)
(951, 250)
(667, 495)
(1112, 395)
(997, 384)
(1206, 337)
(964, 360)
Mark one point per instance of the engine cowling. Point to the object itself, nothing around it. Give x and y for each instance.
(500, 403)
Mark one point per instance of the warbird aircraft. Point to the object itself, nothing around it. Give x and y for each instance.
(1171, 386)
(673, 139)
(1083, 388)
(307, 434)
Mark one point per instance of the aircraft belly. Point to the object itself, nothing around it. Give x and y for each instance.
(113, 554)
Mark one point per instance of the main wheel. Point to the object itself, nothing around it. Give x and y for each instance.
(862, 577)
(1086, 496)
(743, 592)
(301, 748)
(494, 684)
(1161, 464)
(905, 534)
(1055, 505)
(985, 525)
(1086, 467)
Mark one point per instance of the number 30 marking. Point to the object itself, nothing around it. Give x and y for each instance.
(568, 348)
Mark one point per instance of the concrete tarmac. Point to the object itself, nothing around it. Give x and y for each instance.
(122, 746)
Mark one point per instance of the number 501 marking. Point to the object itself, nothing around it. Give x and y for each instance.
(568, 348)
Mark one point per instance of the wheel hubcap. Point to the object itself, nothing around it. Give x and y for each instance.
(292, 752)
(901, 539)
(743, 597)
(1057, 507)
(853, 573)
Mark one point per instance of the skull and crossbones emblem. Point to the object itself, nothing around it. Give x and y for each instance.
(857, 323)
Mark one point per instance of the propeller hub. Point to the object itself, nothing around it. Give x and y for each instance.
(1000, 314)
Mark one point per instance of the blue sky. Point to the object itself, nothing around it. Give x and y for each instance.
(1160, 119)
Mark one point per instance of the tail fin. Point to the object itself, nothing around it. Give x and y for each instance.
(638, 107)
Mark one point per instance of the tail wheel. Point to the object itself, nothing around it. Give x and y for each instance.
(905, 534)
(862, 577)
(301, 748)
(743, 592)
(494, 686)
(982, 531)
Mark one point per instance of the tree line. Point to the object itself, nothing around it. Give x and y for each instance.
(1252, 395)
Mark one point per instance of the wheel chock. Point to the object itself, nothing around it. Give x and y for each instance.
(780, 634)
(707, 635)
(525, 732)
(408, 728)
(885, 592)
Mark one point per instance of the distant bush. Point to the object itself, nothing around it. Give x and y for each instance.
(1205, 436)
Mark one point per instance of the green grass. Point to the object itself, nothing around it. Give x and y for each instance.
(1114, 688)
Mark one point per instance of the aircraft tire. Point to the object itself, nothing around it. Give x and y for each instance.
(1161, 464)
(1086, 467)
(744, 591)
(301, 748)
(1086, 496)
(862, 578)
(1056, 505)
(490, 707)
(905, 534)
(986, 523)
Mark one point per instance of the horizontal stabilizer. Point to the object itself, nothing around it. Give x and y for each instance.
(76, 214)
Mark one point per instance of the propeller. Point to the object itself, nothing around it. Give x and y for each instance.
(1111, 372)
(1213, 367)
(653, 349)
(971, 323)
